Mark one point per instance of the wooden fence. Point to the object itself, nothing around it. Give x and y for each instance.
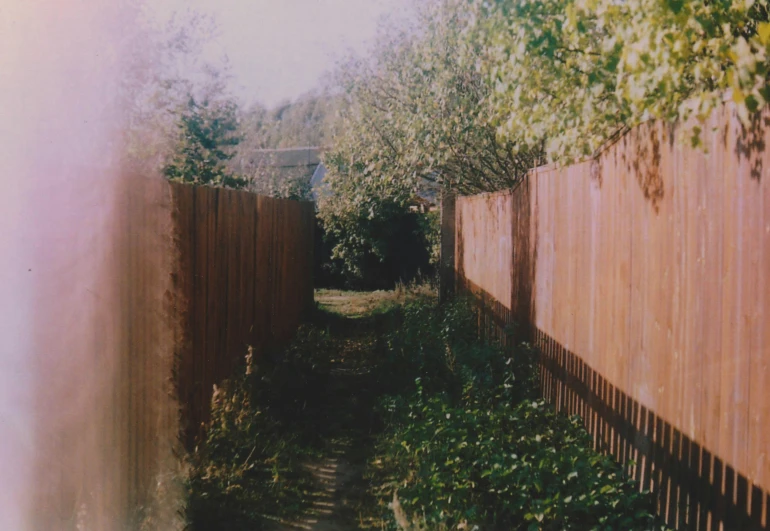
(101, 355)
(245, 278)
(132, 281)
(644, 278)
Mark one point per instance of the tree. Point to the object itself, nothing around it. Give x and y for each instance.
(478, 92)
(207, 137)
(309, 121)
(574, 73)
(415, 119)
(417, 111)
(376, 242)
(163, 68)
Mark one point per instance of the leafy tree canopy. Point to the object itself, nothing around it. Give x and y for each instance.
(471, 94)
(573, 73)
(417, 113)
(208, 134)
(415, 119)
(477, 92)
(307, 122)
(163, 68)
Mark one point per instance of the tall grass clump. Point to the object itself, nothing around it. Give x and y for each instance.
(467, 443)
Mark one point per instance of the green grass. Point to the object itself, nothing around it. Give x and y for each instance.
(368, 304)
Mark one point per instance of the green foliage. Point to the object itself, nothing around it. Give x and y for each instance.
(415, 121)
(469, 444)
(507, 466)
(575, 72)
(417, 115)
(250, 466)
(294, 186)
(427, 346)
(377, 241)
(309, 121)
(245, 469)
(430, 226)
(207, 135)
(164, 65)
(472, 95)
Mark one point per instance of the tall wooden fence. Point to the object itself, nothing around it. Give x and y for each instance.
(100, 357)
(245, 278)
(133, 289)
(644, 278)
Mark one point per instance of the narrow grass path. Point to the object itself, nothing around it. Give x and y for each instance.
(342, 416)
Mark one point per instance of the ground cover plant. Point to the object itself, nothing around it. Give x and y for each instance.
(442, 431)
(285, 410)
(249, 468)
(467, 444)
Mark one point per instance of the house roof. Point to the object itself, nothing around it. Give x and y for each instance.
(317, 184)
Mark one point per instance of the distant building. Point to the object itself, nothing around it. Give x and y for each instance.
(289, 162)
(317, 184)
(271, 171)
(426, 199)
(422, 204)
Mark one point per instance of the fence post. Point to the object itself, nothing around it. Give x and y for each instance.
(447, 263)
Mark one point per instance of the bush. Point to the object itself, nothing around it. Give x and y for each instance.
(503, 466)
(439, 345)
(468, 444)
(250, 464)
(374, 245)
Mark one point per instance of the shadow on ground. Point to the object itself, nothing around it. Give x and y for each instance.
(340, 422)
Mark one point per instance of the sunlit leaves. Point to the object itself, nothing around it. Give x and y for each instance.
(471, 97)
(467, 444)
(572, 72)
(418, 119)
(419, 110)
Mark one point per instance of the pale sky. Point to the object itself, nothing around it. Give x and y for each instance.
(279, 49)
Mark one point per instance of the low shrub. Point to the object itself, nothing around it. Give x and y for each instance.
(250, 465)
(502, 466)
(440, 346)
(469, 444)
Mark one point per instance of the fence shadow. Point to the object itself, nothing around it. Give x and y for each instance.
(642, 157)
(595, 236)
(693, 488)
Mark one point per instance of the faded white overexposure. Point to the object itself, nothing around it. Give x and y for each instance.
(71, 454)
(279, 49)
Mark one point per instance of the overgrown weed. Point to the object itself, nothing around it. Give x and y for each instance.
(251, 464)
(459, 436)
(468, 444)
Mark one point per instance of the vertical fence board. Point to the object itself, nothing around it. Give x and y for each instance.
(760, 366)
